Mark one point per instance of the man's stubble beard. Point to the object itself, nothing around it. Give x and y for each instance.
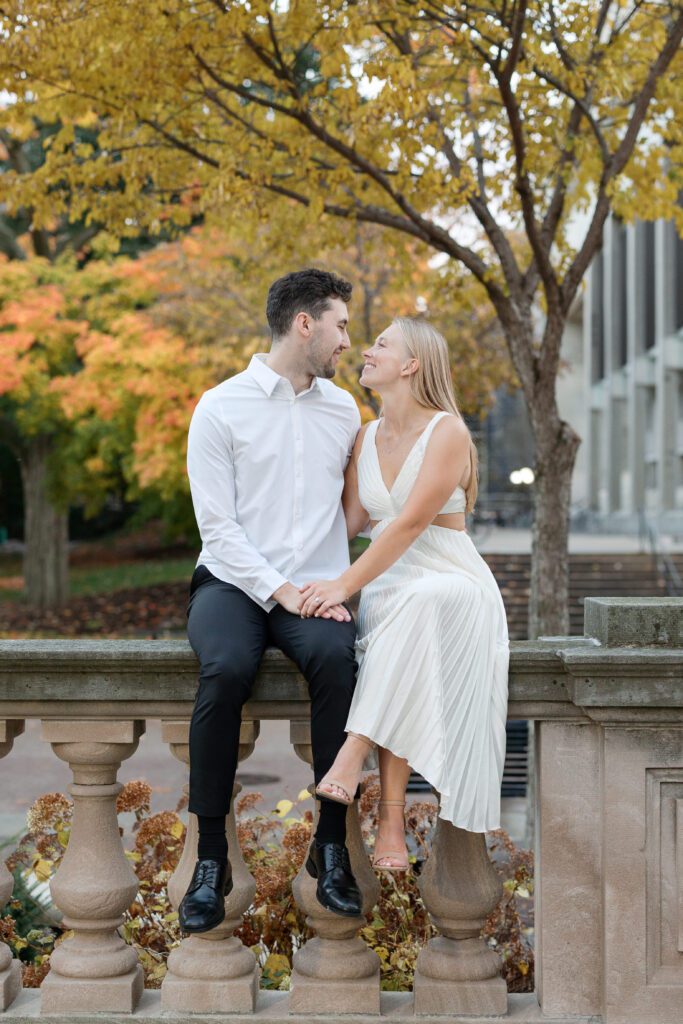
(317, 367)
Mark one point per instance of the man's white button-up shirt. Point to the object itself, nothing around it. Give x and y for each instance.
(266, 469)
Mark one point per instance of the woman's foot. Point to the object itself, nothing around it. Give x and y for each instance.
(391, 852)
(341, 782)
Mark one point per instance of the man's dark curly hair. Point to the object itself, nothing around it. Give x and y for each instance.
(307, 291)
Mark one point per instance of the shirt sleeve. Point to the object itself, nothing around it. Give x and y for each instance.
(211, 470)
(353, 432)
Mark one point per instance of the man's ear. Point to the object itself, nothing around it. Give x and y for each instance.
(302, 321)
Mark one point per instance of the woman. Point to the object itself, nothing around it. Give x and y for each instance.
(432, 636)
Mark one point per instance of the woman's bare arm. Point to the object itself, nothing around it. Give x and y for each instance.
(356, 516)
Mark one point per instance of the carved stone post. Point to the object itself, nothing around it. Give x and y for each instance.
(10, 969)
(94, 970)
(457, 973)
(212, 972)
(334, 972)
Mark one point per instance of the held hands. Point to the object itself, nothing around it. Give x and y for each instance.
(321, 598)
(292, 601)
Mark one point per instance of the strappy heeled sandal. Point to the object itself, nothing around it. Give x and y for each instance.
(349, 793)
(399, 855)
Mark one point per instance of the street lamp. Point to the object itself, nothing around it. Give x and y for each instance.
(525, 475)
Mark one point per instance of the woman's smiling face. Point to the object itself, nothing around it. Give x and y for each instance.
(385, 360)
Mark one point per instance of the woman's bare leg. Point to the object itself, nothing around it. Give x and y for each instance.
(347, 767)
(393, 773)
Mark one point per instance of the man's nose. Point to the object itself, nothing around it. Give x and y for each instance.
(346, 341)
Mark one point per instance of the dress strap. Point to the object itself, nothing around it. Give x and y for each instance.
(427, 433)
(370, 431)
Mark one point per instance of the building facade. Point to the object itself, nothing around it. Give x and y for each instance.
(623, 350)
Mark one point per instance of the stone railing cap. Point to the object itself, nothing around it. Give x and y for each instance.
(635, 621)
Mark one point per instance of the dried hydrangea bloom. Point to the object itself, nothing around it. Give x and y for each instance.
(47, 811)
(135, 796)
(155, 828)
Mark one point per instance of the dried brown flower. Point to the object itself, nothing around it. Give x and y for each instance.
(47, 811)
(135, 796)
(247, 803)
(156, 827)
(296, 841)
(32, 975)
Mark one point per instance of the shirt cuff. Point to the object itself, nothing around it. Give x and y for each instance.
(268, 584)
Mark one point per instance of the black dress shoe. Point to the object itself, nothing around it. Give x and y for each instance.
(337, 889)
(203, 907)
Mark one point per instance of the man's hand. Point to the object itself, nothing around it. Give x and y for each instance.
(289, 597)
(291, 600)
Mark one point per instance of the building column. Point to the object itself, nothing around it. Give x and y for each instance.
(665, 380)
(636, 392)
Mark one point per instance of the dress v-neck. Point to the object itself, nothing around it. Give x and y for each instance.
(390, 490)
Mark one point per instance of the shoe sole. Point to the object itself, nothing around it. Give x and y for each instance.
(209, 928)
(313, 872)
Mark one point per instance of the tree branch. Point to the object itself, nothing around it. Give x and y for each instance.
(617, 163)
(9, 244)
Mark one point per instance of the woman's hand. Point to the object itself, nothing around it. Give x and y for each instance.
(319, 597)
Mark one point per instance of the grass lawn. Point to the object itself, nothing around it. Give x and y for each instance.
(105, 579)
(85, 580)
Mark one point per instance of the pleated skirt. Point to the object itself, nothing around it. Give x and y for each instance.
(433, 657)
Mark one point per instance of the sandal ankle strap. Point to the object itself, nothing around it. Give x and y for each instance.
(363, 739)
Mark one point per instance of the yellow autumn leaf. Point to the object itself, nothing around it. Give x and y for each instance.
(276, 966)
(283, 807)
(177, 829)
(303, 795)
(42, 869)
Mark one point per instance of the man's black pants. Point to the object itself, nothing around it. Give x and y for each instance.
(229, 633)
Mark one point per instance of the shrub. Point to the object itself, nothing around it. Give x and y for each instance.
(274, 846)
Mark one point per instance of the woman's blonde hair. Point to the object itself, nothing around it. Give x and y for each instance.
(432, 384)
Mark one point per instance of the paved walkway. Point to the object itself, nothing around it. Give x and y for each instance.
(497, 540)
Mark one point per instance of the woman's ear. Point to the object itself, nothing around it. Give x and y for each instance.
(409, 368)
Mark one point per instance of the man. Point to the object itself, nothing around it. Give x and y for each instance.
(266, 456)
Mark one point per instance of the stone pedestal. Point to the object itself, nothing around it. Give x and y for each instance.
(10, 969)
(457, 973)
(335, 971)
(211, 972)
(610, 844)
(94, 970)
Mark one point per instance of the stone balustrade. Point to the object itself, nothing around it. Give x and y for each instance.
(608, 785)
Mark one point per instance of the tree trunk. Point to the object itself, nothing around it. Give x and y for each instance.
(549, 593)
(46, 558)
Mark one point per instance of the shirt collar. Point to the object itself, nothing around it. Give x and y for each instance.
(268, 379)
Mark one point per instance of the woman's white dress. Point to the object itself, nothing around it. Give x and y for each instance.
(433, 652)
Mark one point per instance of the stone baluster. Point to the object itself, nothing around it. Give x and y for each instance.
(457, 973)
(212, 972)
(10, 969)
(93, 970)
(334, 972)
